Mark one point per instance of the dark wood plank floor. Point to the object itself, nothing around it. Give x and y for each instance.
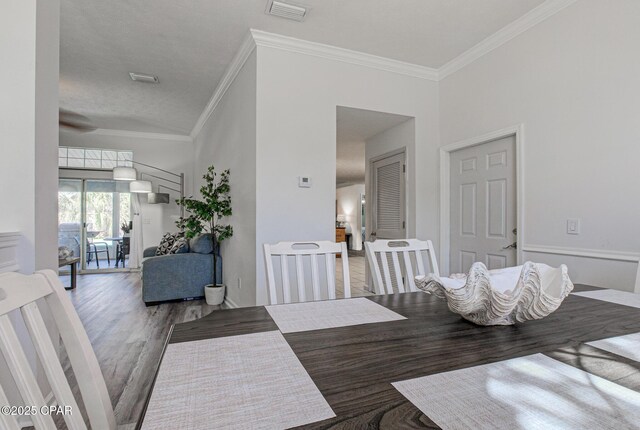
(127, 336)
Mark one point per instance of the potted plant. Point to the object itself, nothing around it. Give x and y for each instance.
(126, 228)
(204, 216)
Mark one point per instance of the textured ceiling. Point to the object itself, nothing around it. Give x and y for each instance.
(188, 45)
(353, 128)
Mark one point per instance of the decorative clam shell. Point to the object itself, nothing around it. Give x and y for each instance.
(537, 291)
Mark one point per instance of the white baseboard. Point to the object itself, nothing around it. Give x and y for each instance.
(229, 304)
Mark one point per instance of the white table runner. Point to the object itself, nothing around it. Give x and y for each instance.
(295, 317)
(613, 296)
(251, 381)
(626, 346)
(533, 392)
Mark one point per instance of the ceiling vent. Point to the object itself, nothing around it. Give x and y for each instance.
(144, 78)
(286, 10)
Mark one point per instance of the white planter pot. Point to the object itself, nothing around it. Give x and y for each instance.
(214, 295)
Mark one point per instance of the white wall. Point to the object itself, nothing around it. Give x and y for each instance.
(172, 155)
(29, 121)
(350, 204)
(297, 96)
(28, 166)
(228, 141)
(572, 80)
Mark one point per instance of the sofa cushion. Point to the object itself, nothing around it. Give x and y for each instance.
(180, 246)
(166, 243)
(201, 244)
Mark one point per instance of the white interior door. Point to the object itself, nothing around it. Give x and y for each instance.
(388, 198)
(483, 205)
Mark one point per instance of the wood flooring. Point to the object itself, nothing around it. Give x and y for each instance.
(127, 336)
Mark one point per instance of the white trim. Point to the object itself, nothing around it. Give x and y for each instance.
(505, 34)
(335, 53)
(581, 252)
(262, 38)
(445, 183)
(590, 253)
(247, 47)
(230, 304)
(140, 135)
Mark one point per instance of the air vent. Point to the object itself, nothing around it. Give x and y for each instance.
(144, 78)
(286, 10)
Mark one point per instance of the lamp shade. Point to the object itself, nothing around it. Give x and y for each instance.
(124, 174)
(141, 187)
(157, 198)
(341, 218)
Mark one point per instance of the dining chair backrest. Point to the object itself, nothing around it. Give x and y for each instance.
(386, 254)
(19, 293)
(312, 255)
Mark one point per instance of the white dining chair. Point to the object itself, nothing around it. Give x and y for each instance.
(20, 292)
(312, 255)
(386, 254)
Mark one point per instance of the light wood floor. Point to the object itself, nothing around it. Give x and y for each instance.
(126, 335)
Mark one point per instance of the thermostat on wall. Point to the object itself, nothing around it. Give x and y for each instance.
(304, 182)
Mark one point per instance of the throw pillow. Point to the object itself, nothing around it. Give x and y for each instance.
(201, 244)
(166, 243)
(180, 246)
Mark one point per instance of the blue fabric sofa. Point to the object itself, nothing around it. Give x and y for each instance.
(178, 276)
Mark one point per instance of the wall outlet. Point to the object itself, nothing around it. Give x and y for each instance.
(573, 226)
(239, 283)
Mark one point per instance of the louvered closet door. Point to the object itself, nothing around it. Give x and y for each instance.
(389, 198)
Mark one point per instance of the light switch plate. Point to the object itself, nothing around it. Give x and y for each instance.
(573, 226)
(304, 182)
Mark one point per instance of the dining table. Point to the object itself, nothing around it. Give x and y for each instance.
(350, 375)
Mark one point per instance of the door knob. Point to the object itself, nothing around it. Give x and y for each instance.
(514, 245)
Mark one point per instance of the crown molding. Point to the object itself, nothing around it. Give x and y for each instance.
(247, 47)
(291, 44)
(502, 36)
(140, 135)
(271, 40)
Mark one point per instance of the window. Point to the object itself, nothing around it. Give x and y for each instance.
(88, 158)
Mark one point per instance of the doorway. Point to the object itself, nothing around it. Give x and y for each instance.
(365, 139)
(93, 218)
(481, 199)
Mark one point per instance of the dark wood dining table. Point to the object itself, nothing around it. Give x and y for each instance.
(354, 366)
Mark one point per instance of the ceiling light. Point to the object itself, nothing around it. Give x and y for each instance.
(286, 10)
(124, 174)
(140, 187)
(143, 78)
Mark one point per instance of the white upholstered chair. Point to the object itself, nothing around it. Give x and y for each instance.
(401, 261)
(20, 292)
(316, 256)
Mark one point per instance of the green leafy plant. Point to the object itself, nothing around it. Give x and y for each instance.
(206, 215)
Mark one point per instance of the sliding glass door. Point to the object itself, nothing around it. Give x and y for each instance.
(91, 215)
